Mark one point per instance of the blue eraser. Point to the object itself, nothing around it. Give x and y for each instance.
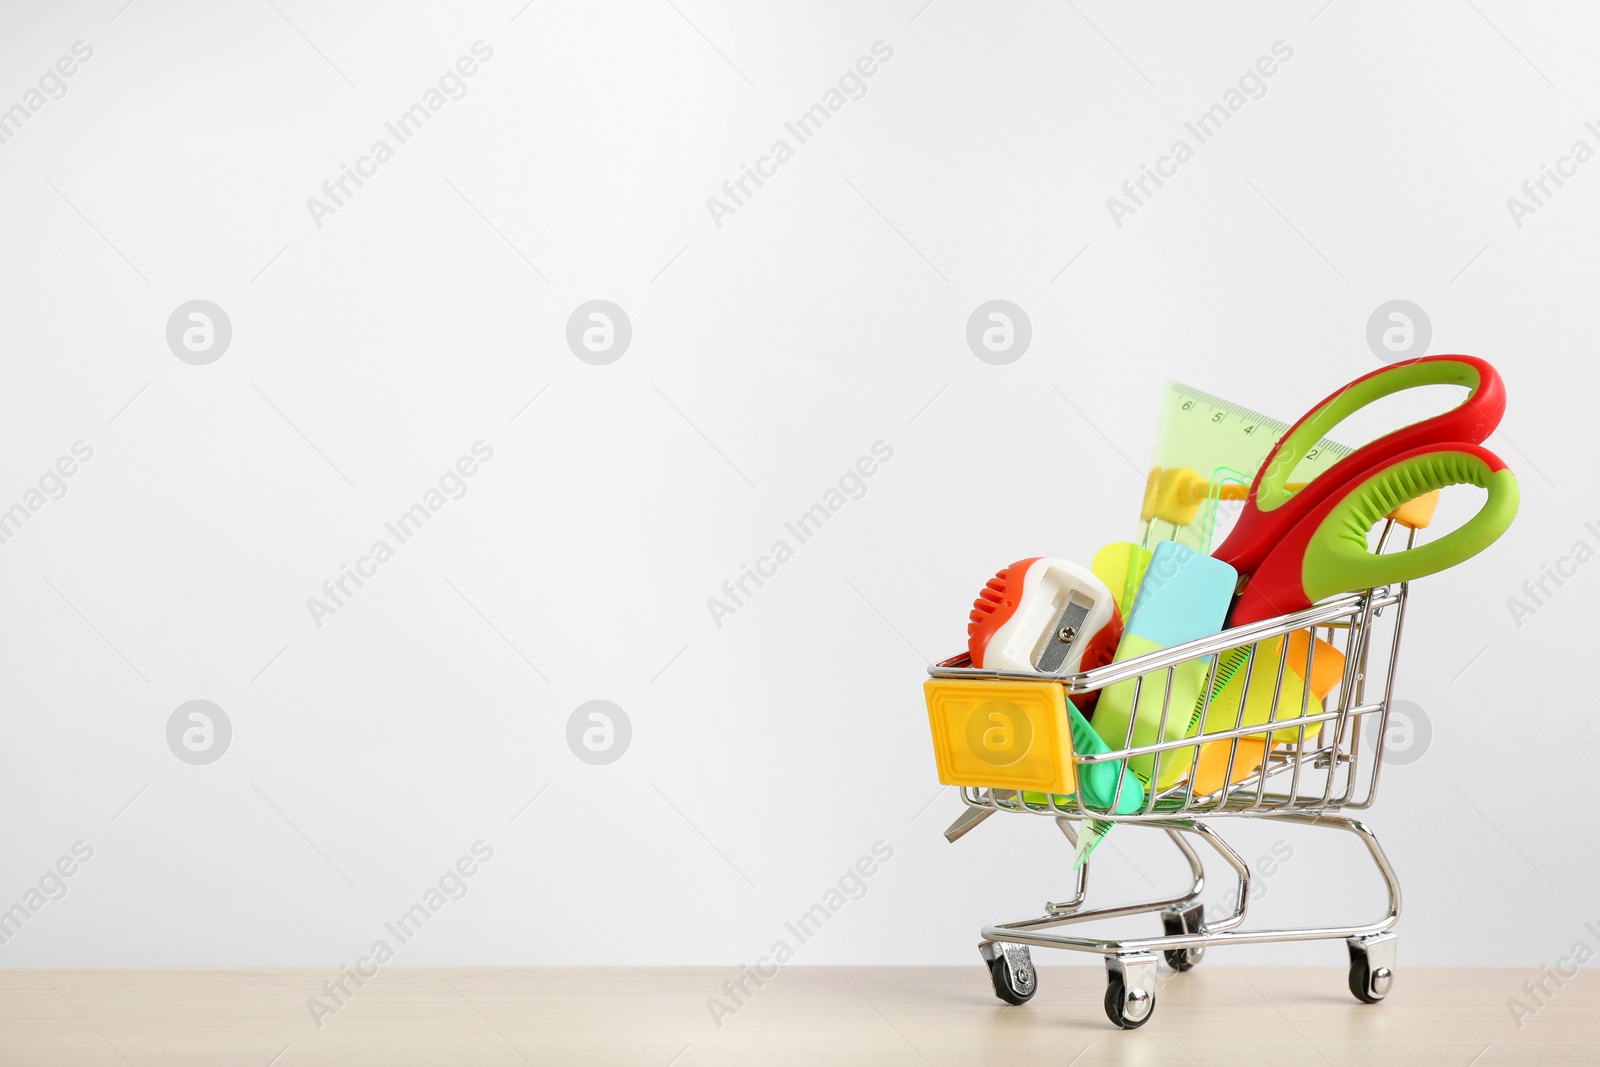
(1184, 596)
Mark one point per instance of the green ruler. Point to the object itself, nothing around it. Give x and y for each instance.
(1207, 453)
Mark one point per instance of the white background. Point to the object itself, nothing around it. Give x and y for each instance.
(768, 354)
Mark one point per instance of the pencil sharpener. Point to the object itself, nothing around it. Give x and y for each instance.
(1044, 615)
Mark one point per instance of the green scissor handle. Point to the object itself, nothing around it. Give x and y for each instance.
(1272, 510)
(1327, 553)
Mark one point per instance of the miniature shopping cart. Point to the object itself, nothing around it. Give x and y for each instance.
(1303, 759)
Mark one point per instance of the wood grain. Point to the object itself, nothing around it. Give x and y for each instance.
(803, 1016)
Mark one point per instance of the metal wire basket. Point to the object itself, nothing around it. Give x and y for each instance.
(1287, 753)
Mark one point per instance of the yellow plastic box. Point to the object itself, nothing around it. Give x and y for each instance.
(995, 734)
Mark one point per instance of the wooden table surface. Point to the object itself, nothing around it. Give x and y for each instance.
(804, 1016)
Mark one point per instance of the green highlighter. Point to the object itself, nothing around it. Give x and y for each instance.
(1185, 595)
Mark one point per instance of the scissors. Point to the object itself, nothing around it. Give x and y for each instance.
(1293, 548)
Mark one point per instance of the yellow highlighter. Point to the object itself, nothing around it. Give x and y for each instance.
(1228, 690)
(1121, 566)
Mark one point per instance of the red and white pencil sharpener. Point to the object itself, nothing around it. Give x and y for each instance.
(1044, 615)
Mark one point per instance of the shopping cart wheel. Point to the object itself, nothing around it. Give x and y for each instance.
(1131, 989)
(1184, 922)
(1371, 966)
(1011, 971)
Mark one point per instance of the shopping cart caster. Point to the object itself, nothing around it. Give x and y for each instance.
(1011, 971)
(1372, 966)
(1131, 989)
(1186, 921)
